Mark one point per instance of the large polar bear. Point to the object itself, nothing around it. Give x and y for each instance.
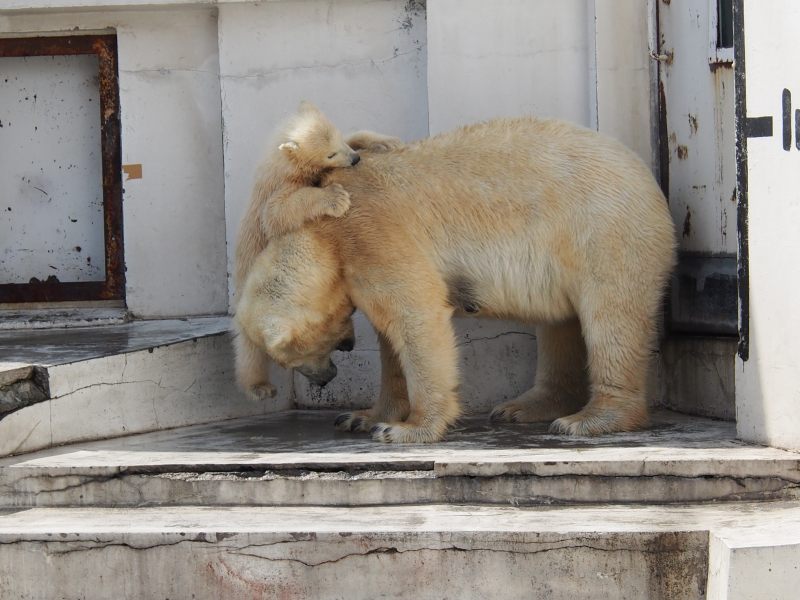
(535, 220)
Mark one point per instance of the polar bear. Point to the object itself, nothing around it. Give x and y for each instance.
(535, 220)
(287, 194)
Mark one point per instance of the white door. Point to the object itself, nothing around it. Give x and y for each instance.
(768, 158)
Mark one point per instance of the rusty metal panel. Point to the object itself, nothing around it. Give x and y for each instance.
(697, 164)
(112, 283)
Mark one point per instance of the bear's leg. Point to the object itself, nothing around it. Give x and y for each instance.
(561, 383)
(252, 369)
(392, 404)
(618, 338)
(425, 343)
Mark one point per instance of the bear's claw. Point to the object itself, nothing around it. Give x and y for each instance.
(351, 422)
(503, 415)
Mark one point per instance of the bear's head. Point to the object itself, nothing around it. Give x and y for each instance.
(313, 144)
(294, 305)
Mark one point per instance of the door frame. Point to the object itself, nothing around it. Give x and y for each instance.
(113, 286)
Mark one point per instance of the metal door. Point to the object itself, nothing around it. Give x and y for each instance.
(60, 191)
(697, 160)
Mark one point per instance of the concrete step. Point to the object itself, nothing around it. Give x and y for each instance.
(425, 552)
(298, 458)
(64, 385)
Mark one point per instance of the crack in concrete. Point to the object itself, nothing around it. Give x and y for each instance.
(768, 488)
(26, 438)
(557, 546)
(494, 337)
(114, 383)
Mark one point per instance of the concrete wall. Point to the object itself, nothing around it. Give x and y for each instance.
(507, 58)
(362, 63)
(174, 216)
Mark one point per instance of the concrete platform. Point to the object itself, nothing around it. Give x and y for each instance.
(65, 385)
(426, 552)
(298, 458)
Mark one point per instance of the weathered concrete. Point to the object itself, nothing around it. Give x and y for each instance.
(755, 562)
(391, 552)
(62, 346)
(95, 383)
(417, 551)
(297, 458)
(696, 376)
(497, 361)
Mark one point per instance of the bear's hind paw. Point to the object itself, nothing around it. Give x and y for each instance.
(591, 421)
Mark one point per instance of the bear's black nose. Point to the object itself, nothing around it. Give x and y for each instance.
(346, 345)
(355, 160)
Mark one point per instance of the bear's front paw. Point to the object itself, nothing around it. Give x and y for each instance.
(338, 201)
(261, 391)
(404, 433)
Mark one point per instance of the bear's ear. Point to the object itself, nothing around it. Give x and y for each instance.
(277, 335)
(289, 147)
(307, 107)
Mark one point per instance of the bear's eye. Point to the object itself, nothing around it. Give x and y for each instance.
(332, 155)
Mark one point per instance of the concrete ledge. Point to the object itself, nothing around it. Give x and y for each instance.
(97, 383)
(297, 458)
(428, 552)
(752, 563)
(423, 552)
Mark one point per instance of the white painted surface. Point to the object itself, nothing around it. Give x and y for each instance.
(362, 63)
(54, 5)
(767, 391)
(700, 126)
(755, 562)
(622, 70)
(51, 196)
(507, 58)
(174, 217)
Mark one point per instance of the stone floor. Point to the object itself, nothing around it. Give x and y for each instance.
(310, 432)
(50, 347)
(297, 457)
(66, 385)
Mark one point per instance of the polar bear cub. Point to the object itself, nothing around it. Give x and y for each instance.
(286, 194)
